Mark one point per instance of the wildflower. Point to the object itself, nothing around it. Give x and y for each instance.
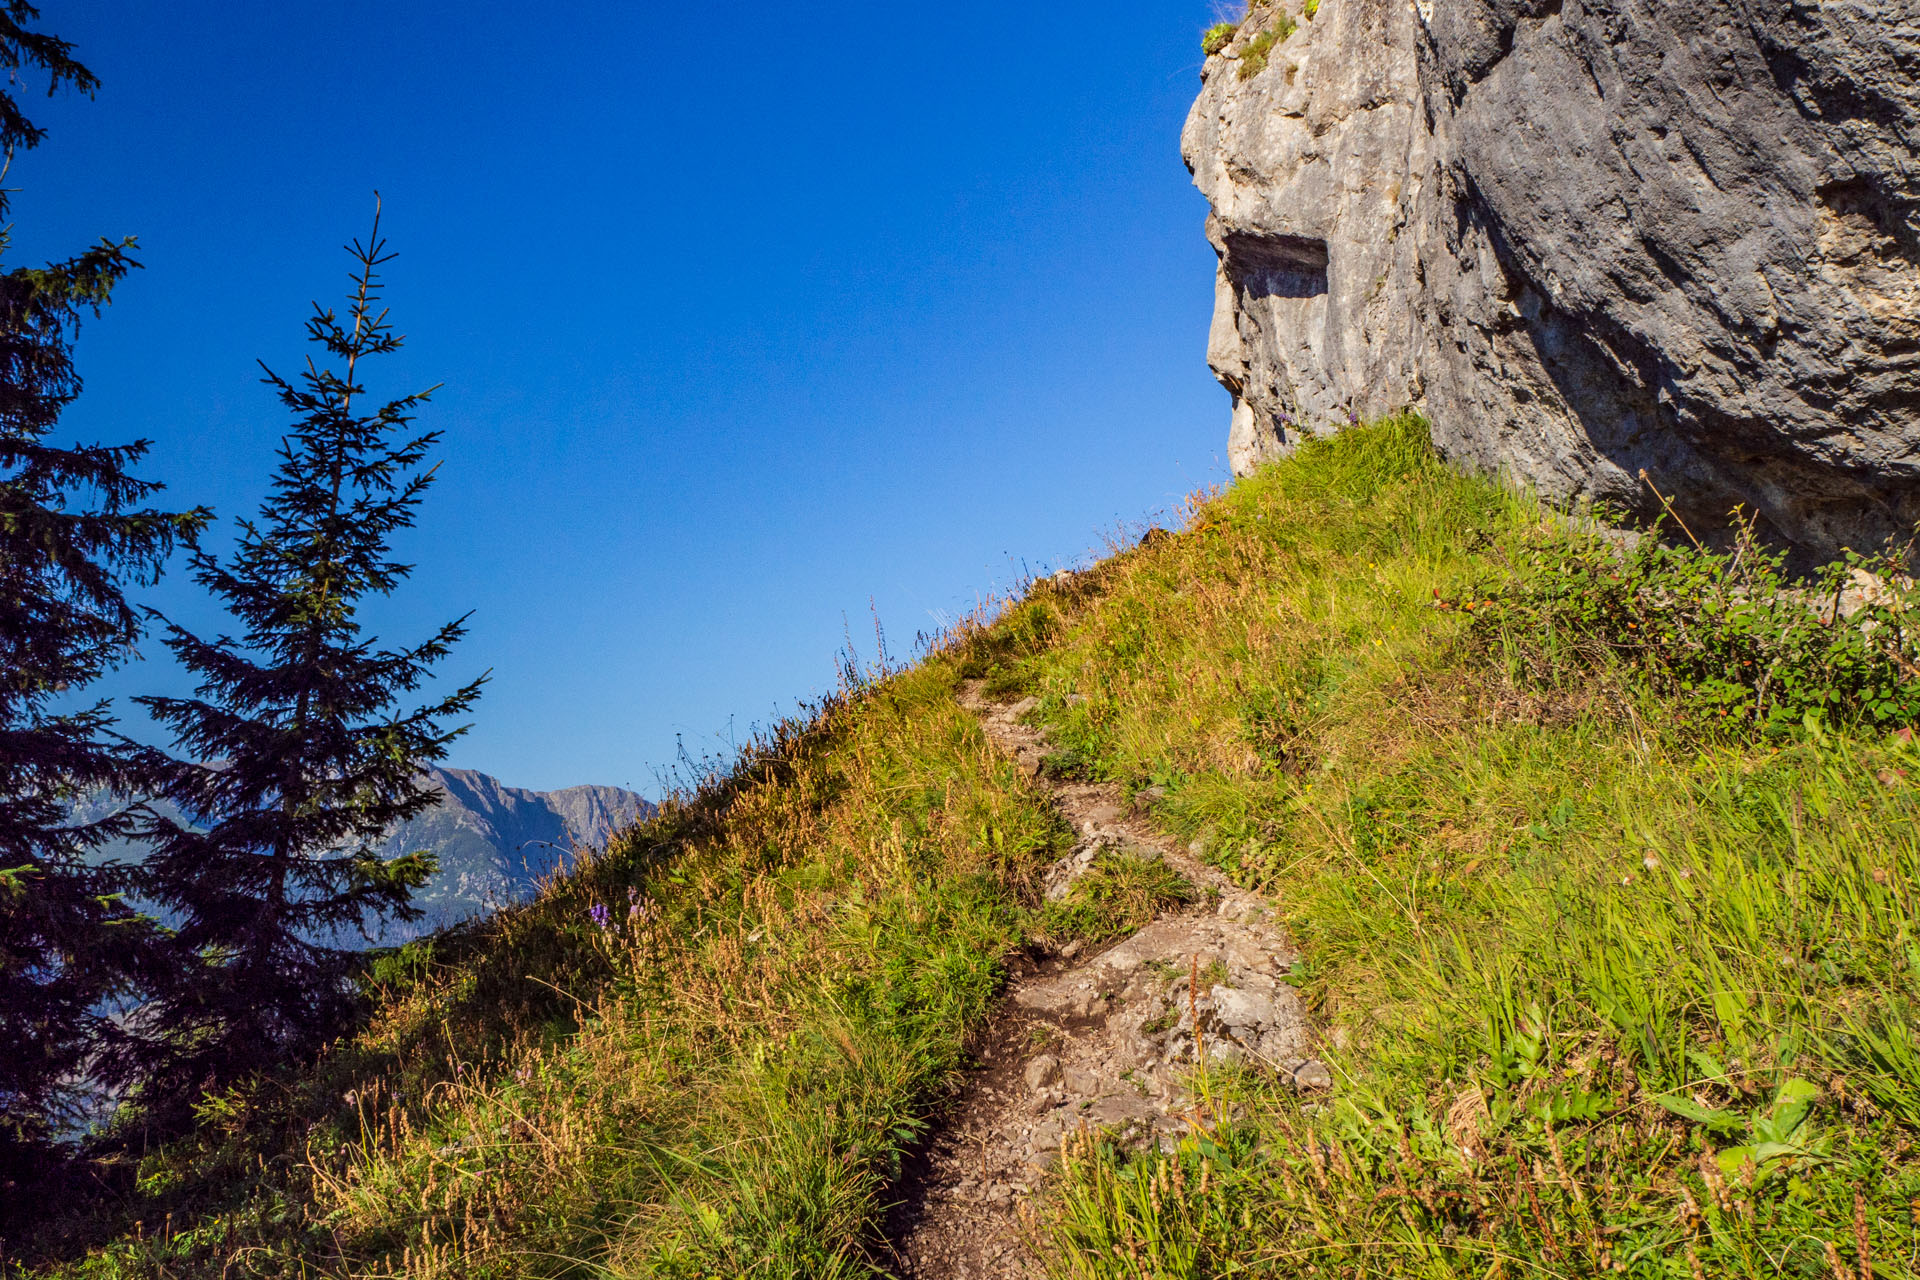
(601, 917)
(1651, 861)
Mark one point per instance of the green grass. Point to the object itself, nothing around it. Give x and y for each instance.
(1609, 988)
(1117, 895)
(1608, 985)
(1253, 58)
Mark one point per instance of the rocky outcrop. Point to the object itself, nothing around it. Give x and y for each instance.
(1586, 238)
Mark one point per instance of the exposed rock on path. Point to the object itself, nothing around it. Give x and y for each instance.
(1103, 1040)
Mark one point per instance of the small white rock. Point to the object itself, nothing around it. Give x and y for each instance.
(1312, 1074)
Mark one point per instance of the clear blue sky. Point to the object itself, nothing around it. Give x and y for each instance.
(744, 315)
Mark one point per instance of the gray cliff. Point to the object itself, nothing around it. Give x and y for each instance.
(495, 843)
(1585, 237)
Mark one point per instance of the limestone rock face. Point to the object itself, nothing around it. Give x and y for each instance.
(1586, 237)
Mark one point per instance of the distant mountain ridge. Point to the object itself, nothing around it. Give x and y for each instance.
(494, 843)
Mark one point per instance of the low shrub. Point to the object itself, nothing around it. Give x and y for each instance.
(1727, 635)
(1217, 36)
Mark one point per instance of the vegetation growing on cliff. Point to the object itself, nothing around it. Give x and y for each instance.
(1275, 27)
(1253, 58)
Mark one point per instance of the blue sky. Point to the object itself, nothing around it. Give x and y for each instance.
(744, 317)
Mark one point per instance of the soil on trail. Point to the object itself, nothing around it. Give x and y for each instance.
(1101, 1041)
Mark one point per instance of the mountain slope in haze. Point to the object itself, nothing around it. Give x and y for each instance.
(494, 843)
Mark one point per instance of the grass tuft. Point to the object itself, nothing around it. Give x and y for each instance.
(1117, 895)
(1253, 58)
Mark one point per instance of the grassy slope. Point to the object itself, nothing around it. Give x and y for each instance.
(1603, 998)
(717, 1082)
(1600, 996)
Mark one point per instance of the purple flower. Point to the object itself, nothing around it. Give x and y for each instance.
(601, 916)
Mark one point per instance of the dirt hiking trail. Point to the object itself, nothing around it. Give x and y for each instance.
(1097, 1040)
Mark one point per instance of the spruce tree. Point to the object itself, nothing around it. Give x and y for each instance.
(296, 758)
(74, 531)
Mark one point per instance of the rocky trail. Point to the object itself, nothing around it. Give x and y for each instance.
(1099, 1040)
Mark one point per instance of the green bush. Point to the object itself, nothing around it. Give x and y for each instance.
(1217, 37)
(1727, 635)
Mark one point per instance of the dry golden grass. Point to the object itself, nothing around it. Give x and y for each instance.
(714, 1078)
